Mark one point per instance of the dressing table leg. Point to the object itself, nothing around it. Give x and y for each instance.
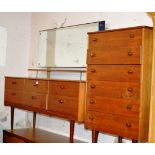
(120, 139)
(72, 123)
(94, 136)
(134, 141)
(34, 119)
(12, 117)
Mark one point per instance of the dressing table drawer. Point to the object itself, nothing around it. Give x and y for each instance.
(13, 97)
(63, 104)
(121, 73)
(113, 124)
(35, 100)
(14, 83)
(64, 88)
(37, 86)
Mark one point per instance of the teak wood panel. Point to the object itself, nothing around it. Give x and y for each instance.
(120, 73)
(120, 47)
(113, 124)
(36, 85)
(122, 90)
(128, 107)
(146, 83)
(63, 104)
(65, 88)
(14, 84)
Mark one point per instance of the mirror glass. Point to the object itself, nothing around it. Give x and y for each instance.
(65, 47)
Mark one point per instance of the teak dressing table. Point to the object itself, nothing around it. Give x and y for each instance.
(61, 98)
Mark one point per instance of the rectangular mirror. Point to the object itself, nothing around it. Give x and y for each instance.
(66, 46)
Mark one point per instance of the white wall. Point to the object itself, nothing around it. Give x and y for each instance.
(41, 21)
(18, 26)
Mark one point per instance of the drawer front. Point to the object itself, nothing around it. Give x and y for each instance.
(119, 47)
(113, 124)
(14, 83)
(64, 88)
(120, 73)
(36, 86)
(118, 90)
(13, 97)
(35, 100)
(128, 107)
(63, 104)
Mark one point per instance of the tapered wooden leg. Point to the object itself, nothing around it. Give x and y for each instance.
(134, 141)
(94, 136)
(120, 139)
(34, 119)
(12, 117)
(72, 123)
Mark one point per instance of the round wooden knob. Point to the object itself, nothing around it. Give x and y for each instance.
(34, 97)
(91, 118)
(93, 70)
(130, 89)
(130, 53)
(130, 71)
(92, 54)
(129, 107)
(92, 86)
(131, 35)
(61, 87)
(95, 39)
(128, 124)
(60, 101)
(91, 101)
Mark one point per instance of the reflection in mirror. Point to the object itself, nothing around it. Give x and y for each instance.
(65, 47)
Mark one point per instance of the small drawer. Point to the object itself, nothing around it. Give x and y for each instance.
(115, 47)
(64, 88)
(118, 90)
(13, 97)
(63, 104)
(14, 83)
(128, 107)
(120, 73)
(35, 100)
(36, 86)
(113, 124)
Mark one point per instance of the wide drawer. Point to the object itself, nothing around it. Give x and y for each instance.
(121, 90)
(129, 107)
(119, 47)
(63, 104)
(113, 124)
(13, 97)
(64, 88)
(36, 86)
(35, 100)
(121, 73)
(14, 83)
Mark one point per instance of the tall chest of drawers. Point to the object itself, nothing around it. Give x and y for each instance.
(118, 82)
